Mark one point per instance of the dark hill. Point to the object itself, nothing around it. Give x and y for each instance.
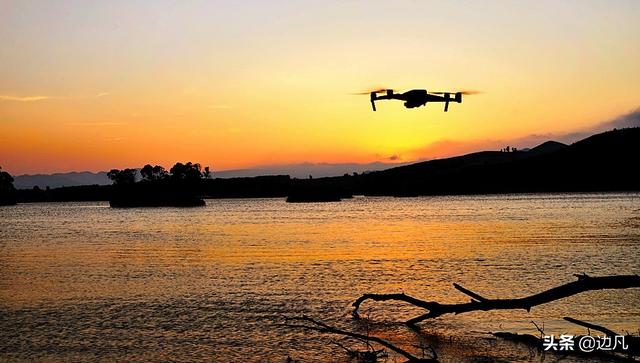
(601, 162)
(546, 147)
(482, 158)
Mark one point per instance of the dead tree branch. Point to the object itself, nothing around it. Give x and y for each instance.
(322, 327)
(480, 303)
(475, 297)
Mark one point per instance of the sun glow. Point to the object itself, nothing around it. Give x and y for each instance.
(92, 88)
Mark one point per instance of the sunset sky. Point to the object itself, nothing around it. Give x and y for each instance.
(93, 85)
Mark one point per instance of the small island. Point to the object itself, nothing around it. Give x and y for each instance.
(181, 186)
(317, 191)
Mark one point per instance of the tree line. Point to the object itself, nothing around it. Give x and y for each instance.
(187, 172)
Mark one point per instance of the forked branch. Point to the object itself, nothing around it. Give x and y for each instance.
(481, 303)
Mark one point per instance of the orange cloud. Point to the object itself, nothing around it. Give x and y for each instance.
(23, 98)
(41, 98)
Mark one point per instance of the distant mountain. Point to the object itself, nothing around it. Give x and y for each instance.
(303, 170)
(61, 180)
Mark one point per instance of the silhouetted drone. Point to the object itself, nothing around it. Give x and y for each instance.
(417, 97)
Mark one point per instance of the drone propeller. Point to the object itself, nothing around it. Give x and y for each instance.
(379, 90)
(467, 92)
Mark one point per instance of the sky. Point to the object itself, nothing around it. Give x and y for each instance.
(95, 85)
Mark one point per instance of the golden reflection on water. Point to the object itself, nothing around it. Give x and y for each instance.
(211, 282)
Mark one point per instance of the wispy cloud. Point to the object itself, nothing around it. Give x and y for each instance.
(41, 98)
(23, 98)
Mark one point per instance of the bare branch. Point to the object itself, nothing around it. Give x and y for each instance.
(325, 328)
(541, 330)
(469, 292)
(435, 309)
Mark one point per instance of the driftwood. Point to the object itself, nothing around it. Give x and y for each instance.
(319, 326)
(481, 303)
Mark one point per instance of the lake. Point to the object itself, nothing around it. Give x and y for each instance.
(83, 282)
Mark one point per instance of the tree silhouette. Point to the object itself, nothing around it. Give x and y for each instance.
(6, 181)
(151, 173)
(7, 190)
(122, 177)
(181, 187)
(147, 172)
(159, 172)
(179, 172)
(187, 172)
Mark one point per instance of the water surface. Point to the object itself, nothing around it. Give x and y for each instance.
(82, 281)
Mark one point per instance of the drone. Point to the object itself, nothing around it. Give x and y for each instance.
(418, 97)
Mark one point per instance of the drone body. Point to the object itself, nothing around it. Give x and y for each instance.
(417, 97)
